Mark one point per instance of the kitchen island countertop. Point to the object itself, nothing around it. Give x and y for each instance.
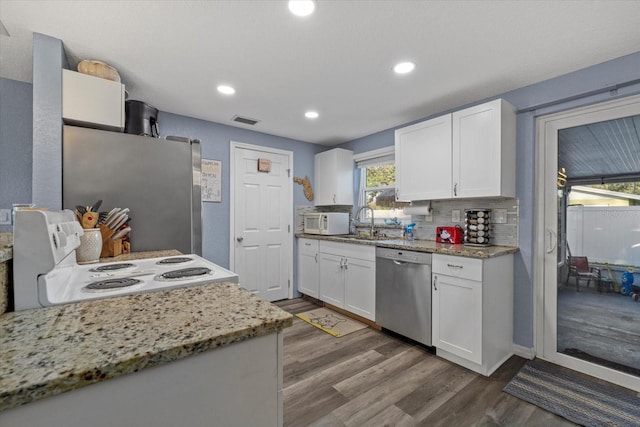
(48, 351)
(422, 246)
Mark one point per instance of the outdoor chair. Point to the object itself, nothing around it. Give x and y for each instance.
(579, 268)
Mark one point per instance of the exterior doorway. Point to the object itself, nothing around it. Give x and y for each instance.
(572, 310)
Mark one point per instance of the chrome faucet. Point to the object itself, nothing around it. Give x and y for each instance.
(358, 216)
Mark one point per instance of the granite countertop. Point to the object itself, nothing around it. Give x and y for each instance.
(6, 246)
(142, 255)
(423, 246)
(47, 351)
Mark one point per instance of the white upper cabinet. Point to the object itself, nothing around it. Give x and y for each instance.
(91, 101)
(466, 154)
(484, 150)
(423, 160)
(334, 177)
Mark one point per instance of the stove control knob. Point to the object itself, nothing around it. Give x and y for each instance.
(62, 239)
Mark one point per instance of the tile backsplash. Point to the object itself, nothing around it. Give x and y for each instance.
(501, 234)
(442, 210)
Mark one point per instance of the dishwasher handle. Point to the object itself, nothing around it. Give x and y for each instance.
(396, 262)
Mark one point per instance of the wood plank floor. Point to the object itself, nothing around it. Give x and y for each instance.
(604, 325)
(371, 378)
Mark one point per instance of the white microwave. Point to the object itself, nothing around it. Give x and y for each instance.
(328, 223)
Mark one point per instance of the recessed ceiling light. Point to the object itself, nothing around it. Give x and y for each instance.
(311, 114)
(302, 7)
(404, 67)
(227, 90)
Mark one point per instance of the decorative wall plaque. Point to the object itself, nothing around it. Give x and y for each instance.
(264, 165)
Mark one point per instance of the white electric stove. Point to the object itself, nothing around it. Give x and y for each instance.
(46, 272)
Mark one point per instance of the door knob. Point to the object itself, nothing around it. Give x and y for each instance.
(239, 239)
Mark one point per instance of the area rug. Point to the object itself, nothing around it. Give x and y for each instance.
(575, 397)
(331, 322)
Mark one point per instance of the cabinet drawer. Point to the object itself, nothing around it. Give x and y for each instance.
(349, 250)
(455, 266)
(307, 246)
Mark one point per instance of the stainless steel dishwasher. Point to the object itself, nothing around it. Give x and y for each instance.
(403, 293)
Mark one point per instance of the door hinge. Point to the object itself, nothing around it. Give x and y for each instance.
(289, 173)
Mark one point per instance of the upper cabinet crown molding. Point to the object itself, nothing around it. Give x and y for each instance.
(334, 177)
(466, 154)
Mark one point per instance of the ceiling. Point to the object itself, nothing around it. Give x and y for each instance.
(173, 54)
(601, 152)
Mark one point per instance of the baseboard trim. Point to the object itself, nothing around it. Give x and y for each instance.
(525, 352)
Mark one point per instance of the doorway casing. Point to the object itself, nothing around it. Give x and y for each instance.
(546, 233)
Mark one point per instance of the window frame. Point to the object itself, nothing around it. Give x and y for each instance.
(368, 159)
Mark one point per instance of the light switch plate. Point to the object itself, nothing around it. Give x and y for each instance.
(455, 215)
(499, 216)
(5, 216)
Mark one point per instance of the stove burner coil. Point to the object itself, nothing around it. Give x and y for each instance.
(112, 267)
(177, 260)
(184, 273)
(112, 284)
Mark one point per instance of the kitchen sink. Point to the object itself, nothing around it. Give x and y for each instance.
(364, 237)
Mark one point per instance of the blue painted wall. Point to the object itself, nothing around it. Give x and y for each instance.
(215, 141)
(48, 61)
(561, 93)
(572, 90)
(16, 148)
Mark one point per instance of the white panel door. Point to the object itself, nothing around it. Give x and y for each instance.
(423, 160)
(308, 270)
(332, 279)
(477, 151)
(360, 287)
(457, 316)
(262, 217)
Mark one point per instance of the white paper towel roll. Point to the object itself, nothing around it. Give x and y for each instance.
(417, 210)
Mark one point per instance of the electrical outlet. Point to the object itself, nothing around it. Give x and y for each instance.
(5, 216)
(455, 215)
(499, 216)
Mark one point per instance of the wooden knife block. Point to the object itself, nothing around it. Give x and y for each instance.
(110, 247)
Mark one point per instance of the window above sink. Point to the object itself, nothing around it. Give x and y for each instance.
(376, 173)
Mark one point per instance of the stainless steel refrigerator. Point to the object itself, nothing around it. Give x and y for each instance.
(157, 179)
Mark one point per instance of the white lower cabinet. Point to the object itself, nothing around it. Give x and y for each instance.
(360, 287)
(332, 279)
(473, 310)
(348, 277)
(308, 267)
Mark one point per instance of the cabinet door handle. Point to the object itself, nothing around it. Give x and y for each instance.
(455, 189)
(341, 261)
(454, 266)
(435, 288)
(346, 267)
(307, 244)
(334, 199)
(316, 258)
